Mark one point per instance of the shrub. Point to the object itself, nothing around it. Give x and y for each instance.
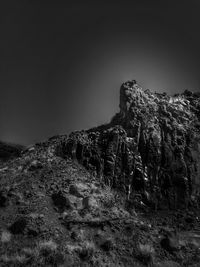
(86, 251)
(145, 253)
(5, 237)
(107, 245)
(49, 251)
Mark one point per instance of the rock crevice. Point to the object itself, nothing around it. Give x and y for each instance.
(152, 146)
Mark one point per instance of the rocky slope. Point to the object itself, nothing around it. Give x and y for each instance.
(122, 194)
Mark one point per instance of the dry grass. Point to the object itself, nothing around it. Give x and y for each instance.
(47, 245)
(45, 253)
(49, 253)
(107, 198)
(145, 253)
(14, 260)
(5, 236)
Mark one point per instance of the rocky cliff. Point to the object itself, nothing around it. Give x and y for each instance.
(88, 199)
(151, 147)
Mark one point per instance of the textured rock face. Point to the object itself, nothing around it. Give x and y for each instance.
(152, 146)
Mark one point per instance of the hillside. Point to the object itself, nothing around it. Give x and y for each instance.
(9, 151)
(121, 194)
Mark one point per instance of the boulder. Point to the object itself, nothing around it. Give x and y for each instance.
(18, 227)
(107, 245)
(61, 201)
(169, 243)
(89, 203)
(35, 165)
(74, 190)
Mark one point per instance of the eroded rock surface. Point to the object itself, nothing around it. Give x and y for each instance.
(151, 146)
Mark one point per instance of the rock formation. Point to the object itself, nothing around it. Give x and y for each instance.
(151, 147)
(76, 200)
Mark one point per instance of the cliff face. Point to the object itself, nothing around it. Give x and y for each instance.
(152, 146)
(55, 212)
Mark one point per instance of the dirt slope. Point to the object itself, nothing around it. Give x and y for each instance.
(55, 213)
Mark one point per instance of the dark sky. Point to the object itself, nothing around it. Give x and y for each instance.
(61, 65)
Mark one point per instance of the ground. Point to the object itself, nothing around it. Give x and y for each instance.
(53, 212)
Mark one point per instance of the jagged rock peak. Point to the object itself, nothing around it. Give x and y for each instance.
(139, 104)
(129, 92)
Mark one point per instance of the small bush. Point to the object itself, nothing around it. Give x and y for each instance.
(49, 251)
(107, 245)
(47, 248)
(108, 198)
(145, 253)
(55, 258)
(86, 251)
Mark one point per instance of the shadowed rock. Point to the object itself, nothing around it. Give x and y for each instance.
(151, 147)
(61, 201)
(18, 226)
(3, 199)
